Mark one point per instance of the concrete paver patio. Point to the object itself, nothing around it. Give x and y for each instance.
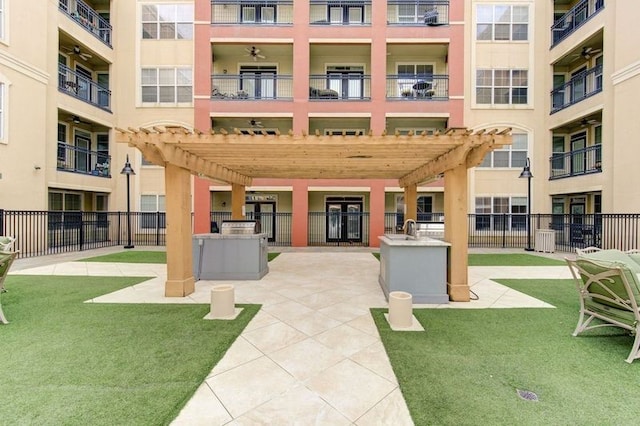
(312, 354)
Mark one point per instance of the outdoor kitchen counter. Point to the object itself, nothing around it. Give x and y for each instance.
(230, 256)
(416, 266)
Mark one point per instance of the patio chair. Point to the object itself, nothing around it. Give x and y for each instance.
(609, 294)
(6, 243)
(6, 259)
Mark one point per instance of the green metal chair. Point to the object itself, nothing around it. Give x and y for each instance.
(6, 259)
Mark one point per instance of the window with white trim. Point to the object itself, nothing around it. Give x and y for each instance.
(167, 21)
(501, 22)
(167, 85)
(152, 208)
(509, 156)
(502, 87)
(501, 213)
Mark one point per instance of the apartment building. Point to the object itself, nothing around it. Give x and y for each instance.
(349, 67)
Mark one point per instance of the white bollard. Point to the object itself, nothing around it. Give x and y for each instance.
(400, 309)
(222, 301)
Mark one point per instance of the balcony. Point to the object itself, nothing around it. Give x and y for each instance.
(580, 87)
(574, 19)
(576, 163)
(341, 12)
(83, 88)
(251, 87)
(238, 12)
(335, 87)
(403, 12)
(87, 18)
(81, 160)
(418, 88)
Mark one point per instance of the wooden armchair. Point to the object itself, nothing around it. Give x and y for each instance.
(609, 294)
(6, 259)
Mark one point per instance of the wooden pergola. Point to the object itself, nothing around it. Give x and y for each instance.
(237, 158)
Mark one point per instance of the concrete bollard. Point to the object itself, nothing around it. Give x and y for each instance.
(400, 309)
(222, 301)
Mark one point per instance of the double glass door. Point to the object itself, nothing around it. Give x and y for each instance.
(344, 220)
(265, 212)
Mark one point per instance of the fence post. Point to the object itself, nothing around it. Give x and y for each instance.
(81, 233)
(119, 227)
(1, 221)
(504, 230)
(157, 228)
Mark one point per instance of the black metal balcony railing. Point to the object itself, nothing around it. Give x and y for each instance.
(340, 12)
(580, 87)
(333, 87)
(417, 87)
(576, 163)
(84, 161)
(88, 18)
(83, 88)
(574, 19)
(417, 12)
(241, 12)
(252, 87)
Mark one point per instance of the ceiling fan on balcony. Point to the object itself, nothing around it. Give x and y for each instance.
(76, 51)
(588, 52)
(76, 120)
(255, 123)
(254, 52)
(587, 122)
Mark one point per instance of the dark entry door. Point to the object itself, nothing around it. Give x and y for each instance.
(344, 220)
(265, 212)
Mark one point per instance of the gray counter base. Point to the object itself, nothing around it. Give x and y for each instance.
(230, 257)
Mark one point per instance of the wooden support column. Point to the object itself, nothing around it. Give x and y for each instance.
(411, 202)
(238, 198)
(180, 281)
(376, 212)
(456, 232)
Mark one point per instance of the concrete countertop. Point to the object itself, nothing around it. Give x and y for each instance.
(404, 240)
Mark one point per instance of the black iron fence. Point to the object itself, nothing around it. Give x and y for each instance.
(40, 233)
(88, 18)
(580, 13)
(418, 87)
(251, 87)
(418, 12)
(83, 88)
(252, 12)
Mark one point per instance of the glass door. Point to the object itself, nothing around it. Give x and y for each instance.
(344, 221)
(579, 84)
(578, 157)
(265, 212)
(82, 154)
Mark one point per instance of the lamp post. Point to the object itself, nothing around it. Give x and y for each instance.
(526, 173)
(127, 170)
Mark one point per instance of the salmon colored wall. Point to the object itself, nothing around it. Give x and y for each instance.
(300, 214)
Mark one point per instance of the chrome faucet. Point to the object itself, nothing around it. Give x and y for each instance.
(409, 226)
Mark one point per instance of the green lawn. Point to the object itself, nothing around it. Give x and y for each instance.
(142, 257)
(74, 363)
(466, 367)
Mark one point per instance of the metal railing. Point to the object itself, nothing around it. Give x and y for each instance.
(340, 12)
(81, 160)
(579, 88)
(335, 87)
(338, 229)
(418, 88)
(574, 19)
(417, 12)
(576, 163)
(83, 88)
(252, 87)
(40, 233)
(241, 12)
(88, 18)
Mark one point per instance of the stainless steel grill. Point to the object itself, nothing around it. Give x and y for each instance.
(242, 227)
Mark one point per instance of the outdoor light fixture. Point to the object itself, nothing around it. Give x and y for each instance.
(526, 174)
(127, 170)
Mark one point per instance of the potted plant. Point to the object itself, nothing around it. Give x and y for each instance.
(407, 93)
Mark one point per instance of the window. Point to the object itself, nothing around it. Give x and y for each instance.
(501, 213)
(153, 211)
(346, 14)
(263, 14)
(502, 87)
(64, 210)
(167, 21)
(407, 13)
(498, 22)
(514, 155)
(167, 85)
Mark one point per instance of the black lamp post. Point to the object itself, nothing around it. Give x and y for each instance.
(127, 170)
(526, 173)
